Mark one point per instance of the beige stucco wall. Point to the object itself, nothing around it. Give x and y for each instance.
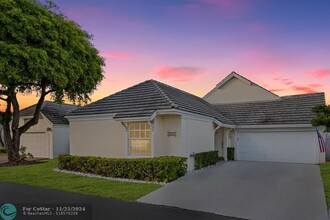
(42, 125)
(193, 135)
(98, 137)
(164, 144)
(37, 140)
(107, 137)
(236, 90)
(198, 137)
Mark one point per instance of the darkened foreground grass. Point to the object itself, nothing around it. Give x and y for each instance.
(325, 173)
(41, 175)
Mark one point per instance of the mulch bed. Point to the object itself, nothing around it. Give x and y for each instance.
(5, 163)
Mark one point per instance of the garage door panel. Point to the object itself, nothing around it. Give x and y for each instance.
(36, 143)
(294, 147)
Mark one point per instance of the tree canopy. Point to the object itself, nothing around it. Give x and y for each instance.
(42, 51)
(40, 48)
(322, 117)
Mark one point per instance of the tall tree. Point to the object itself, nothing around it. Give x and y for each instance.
(42, 52)
(322, 117)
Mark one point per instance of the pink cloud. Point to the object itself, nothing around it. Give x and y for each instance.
(183, 73)
(115, 55)
(266, 61)
(305, 89)
(315, 85)
(321, 73)
(284, 81)
(276, 90)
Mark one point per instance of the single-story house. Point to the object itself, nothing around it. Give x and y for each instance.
(154, 119)
(50, 137)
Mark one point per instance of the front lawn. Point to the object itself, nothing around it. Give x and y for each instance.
(41, 175)
(325, 173)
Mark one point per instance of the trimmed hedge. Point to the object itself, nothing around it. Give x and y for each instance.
(160, 169)
(231, 153)
(205, 159)
(3, 150)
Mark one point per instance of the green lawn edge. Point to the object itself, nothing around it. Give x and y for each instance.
(42, 175)
(325, 173)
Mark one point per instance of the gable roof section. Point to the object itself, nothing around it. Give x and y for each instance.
(294, 109)
(143, 99)
(242, 78)
(55, 112)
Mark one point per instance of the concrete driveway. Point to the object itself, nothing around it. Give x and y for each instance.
(250, 190)
(99, 208)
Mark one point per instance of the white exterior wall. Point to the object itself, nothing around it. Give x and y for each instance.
(193, 135)
(164, 144)
(236, 90)
(108, 138)
(38, 140)
(102, 137)
(61, 140)
(42, 125)
(198, 136)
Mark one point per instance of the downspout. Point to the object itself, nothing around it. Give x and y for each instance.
(126, 139)
(152, 125)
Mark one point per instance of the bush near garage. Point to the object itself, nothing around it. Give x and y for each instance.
(160, 169)
(205, 159)
(231, 153)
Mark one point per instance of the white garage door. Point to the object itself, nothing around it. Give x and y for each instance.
(36, 143)
(292, 147)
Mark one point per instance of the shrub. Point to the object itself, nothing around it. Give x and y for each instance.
(23, 155)
(205, 159)
(230, 153)
(161, 169)
(3, 150)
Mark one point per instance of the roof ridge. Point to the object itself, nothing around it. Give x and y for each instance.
(268, 101)
(172, 87)
(155, 84)
(314, 93)
(197, 98)
(239, 77)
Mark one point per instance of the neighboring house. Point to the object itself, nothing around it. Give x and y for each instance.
(153, 119)
(50, 137)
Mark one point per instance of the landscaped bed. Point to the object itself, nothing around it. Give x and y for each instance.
(42, 175)
(325, 173)
(156, 169)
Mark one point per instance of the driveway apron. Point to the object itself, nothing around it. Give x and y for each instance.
(250, 190)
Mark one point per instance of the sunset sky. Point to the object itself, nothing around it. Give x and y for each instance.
(283, 46)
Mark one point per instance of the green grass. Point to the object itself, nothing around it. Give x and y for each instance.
(325, 173)
(41, 175)
(3, 155)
